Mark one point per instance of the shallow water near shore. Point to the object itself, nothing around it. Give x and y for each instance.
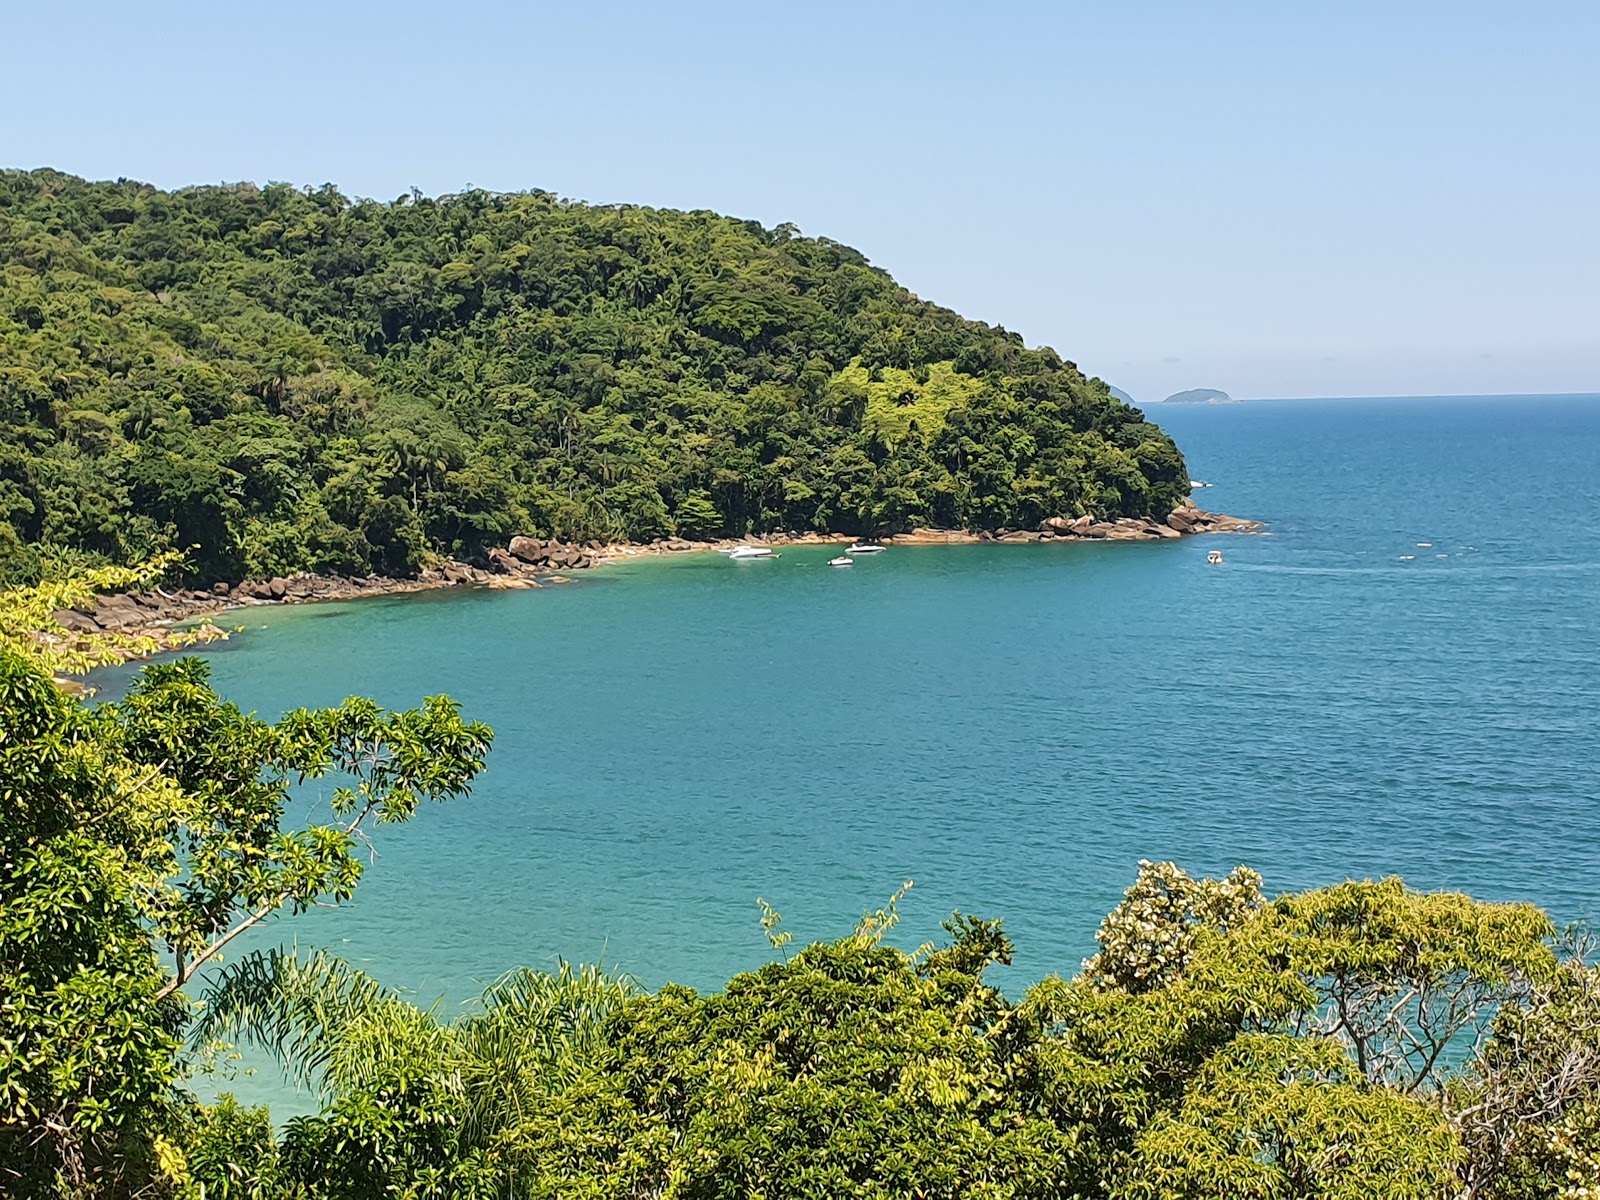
(1402, 676)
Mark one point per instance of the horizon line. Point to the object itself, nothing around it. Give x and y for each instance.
(1589, 395)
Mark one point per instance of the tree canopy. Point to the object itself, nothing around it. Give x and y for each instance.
(287, 379)
(137, 840)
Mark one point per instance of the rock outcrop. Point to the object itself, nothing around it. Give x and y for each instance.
(1182, 520)
(553, 555)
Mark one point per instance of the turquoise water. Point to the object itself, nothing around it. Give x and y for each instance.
(1012, 727)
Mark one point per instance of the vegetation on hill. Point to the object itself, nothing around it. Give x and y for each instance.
(290, 380)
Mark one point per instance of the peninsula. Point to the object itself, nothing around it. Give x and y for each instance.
(283, 383)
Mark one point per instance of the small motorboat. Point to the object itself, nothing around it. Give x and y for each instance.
(1214, 558)
(843, 560)
(865, 548)
(739, 553)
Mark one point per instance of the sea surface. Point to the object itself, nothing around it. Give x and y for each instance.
(1401, 676)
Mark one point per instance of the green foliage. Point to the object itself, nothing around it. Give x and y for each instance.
(229, 1152)
(902, 403)
(1529, 1107)
(87, 1044)
(288, 380)
(855, 1068)
(1280, 1118)
(1404, 977)
(163, 820)
(413, 1101)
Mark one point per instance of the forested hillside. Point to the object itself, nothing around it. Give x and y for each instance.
(292, 380)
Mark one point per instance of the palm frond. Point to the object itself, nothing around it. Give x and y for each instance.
(334, 1028)
(533, 1035)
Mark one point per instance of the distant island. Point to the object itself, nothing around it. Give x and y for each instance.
(1200, 396)
(275, 380)
(1118, 394)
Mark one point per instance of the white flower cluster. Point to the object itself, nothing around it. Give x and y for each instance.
(1147, 940)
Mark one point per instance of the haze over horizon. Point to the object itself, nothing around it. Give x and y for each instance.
(1270, 201)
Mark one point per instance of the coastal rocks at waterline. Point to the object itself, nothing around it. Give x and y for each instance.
(528, 562)
(153, 613)
(1186, 519)
(524, 563)
(533, 552)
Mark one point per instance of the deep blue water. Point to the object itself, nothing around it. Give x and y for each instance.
(1011, 727)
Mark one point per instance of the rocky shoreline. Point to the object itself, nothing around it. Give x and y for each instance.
(533, 562)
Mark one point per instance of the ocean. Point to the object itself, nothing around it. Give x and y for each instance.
(1401, 676)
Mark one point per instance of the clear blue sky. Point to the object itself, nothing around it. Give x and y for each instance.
(1277, 199)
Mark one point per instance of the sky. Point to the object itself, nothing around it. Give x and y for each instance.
(1301, 199)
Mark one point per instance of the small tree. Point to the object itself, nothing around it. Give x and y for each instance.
(1528, 1109)
(697, 517)
(163, 820)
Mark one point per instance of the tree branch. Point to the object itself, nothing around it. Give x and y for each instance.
(183, 976)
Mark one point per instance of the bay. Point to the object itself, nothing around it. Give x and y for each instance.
(1400, 677)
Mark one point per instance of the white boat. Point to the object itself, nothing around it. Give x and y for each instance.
(742, 552)
(1214, 557)
(841, 561)
(865, 548)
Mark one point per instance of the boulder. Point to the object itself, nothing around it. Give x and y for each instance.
(113, 612)
(501, 562)
(529, 550)
(1181, 519)
(277, 587)
(220, 589)
(1225, 524)
(1056, 526)
(76, 622)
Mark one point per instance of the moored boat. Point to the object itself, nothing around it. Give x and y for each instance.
(842, 561)
(744, 552)
(865, 548)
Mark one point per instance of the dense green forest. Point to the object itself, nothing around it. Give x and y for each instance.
(290, 380)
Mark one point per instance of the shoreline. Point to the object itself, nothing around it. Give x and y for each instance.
(531, 563)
